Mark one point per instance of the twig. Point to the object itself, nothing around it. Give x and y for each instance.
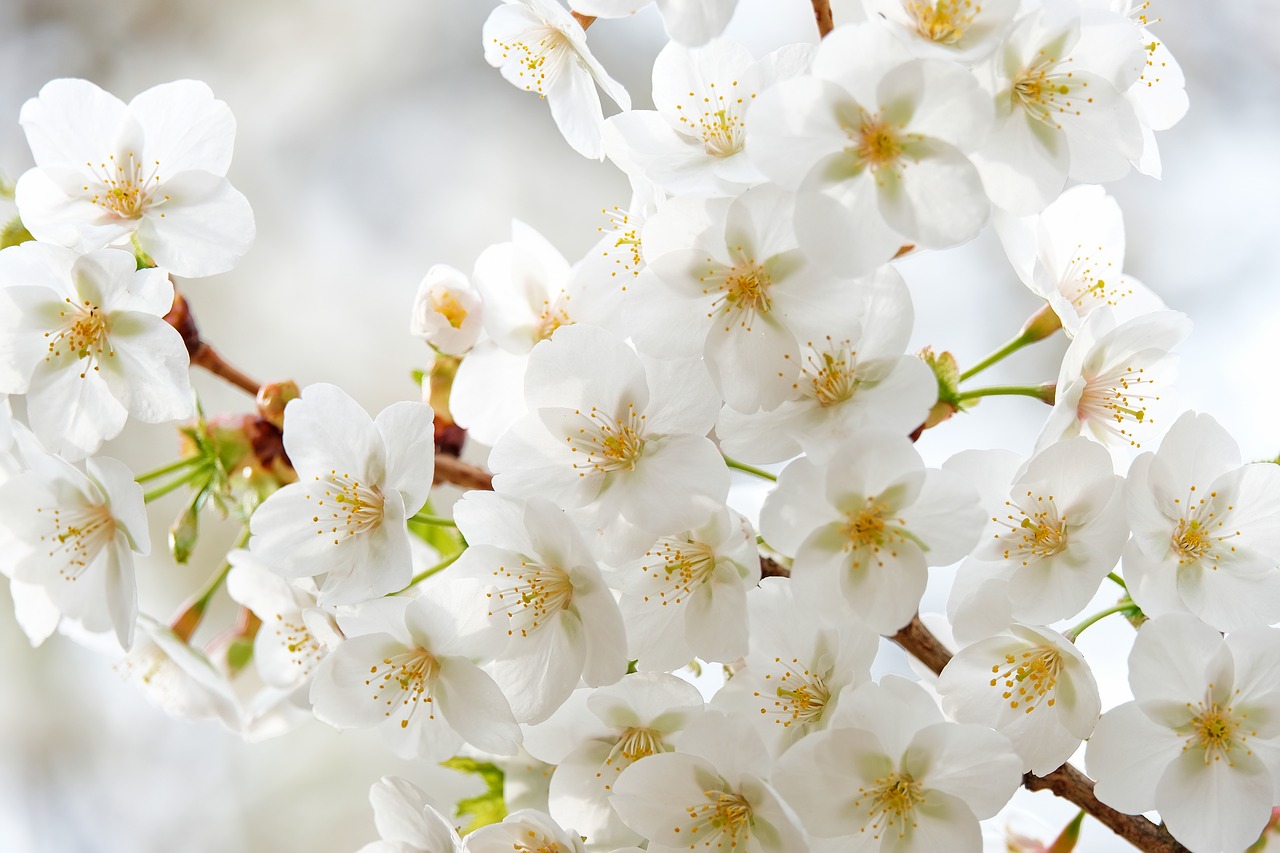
(822, 13)
(205, 356)
(451, 470)
(583, 20)
(1066, 782)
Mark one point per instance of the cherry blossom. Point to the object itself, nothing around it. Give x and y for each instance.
(408, 820)
(446, 312)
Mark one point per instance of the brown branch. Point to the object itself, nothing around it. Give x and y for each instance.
(1066, 782)
(451, 470)
(583, 20)
(205, 356)
(822, 13)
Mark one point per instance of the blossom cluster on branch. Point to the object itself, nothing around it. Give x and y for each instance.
(742, 313)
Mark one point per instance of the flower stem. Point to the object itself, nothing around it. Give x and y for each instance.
(168, 469)
(438, 567)
(1115, 577)
(1073, 633)
(186, 622)
(1044, 393)
(822, 14)
(437, 520)
(1039, 326)
(750, 469)
(164, 489)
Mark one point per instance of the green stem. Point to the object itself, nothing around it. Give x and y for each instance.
(438, 567)
(999, 355)
(186, 622)
(1040, 392)
(750, 469)
(1077, 630)
(436, 520)
(172, 485)
(168, 469)
(1115, 577)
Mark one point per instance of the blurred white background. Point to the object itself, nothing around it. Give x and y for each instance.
(374, 142)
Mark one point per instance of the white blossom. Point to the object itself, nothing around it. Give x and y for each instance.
(947, 29)
(408, 821)
(531, 830)
(446, 311)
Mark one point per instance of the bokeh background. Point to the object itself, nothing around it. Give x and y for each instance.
(374, 142)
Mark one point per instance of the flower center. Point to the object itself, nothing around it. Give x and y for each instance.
(633, 744)
(801, 696)
(724, 819)
(1190, 541)
(125, 187)
(1041, 533)
(1042, 93)
(1216, 731)
(747, 288)
(1200, 529)
(448, 306)
(943, 22)
(876, 142)
(535, 594)
(629, 254)
(716, 118)
(893, 802)
(1029, 677)
(1116, 400)
(553, 316)
(677, 567)
(832, 377)
(609, 444)
(303, 648)
(345, 506)
(83, 334)
(536, 842)
(536, 53)
(75, 537)
(403, 682)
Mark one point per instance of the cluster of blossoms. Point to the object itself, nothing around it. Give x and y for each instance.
(743, 310)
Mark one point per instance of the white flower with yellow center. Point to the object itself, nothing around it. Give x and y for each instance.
(855, 378)
(867, 524)
(1072, 256)
(738, 292)
(153, 170)
(539, 47)
(892, 775)
(83, 337)
(1206, 531)
(1029, 684)
(801, 662)
(599, 733)
(1115, 381)
(446, 312)
(525, 831)
(73, 535)
(409, 821)
(1055, 528)
(877, 144)
(359, 479)
(1058, 87)
(713, 794)
(555, 621)
(610, 439)
(1201, 740)
(693, 143)
(686, 596)
(409, 666)
(950, 29)
(688, 22)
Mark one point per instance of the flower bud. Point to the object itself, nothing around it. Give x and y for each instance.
(446, 313)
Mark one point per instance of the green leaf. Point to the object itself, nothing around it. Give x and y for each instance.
(489, 807)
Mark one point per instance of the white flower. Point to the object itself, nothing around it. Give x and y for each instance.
(688, 22)
(599, 733)
(877, 143)
(560, 621)
(802, 660)
(892, 775)
(408, 820)
(446, 312)
(607, 437)
(539, 47)
(853, 379)
(712, 794)
(1029, 684)
(686, 597)
(947, 29)
(295, 634)
(1072, 256)
(1206, 529)
(1114, 383)
(528, 290)
(738, 292)
(177, 678)
(1201, 741)
(83, 337)
(358, 480)
(866, 525)
(74, 535)
(154, 170)
(409, 667)
(521, 831)
(1058, 84)
(1055, 529)
(693, 143)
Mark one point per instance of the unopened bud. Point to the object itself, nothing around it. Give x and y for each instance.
(273, 397)
(1040, 325)
(184, 532)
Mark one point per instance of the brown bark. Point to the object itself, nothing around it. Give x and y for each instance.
(822, 14)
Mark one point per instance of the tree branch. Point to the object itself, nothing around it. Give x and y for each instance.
(1066, 782)
(205, 356)
(450, 470)
(822, 13)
